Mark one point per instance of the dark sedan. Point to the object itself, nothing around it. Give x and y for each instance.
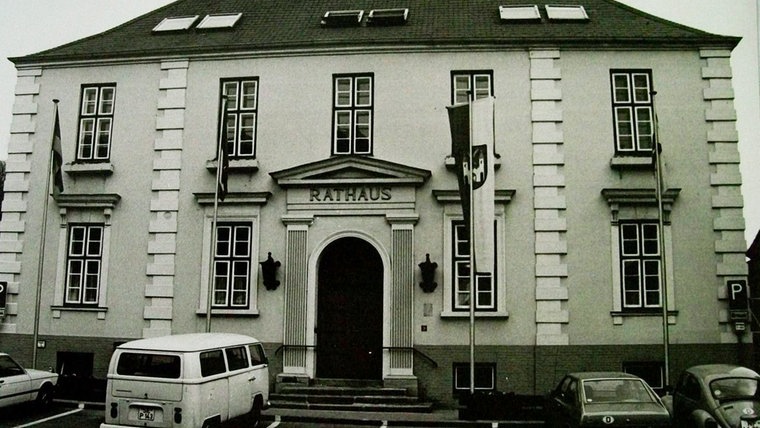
(717, 395)
(604, 399)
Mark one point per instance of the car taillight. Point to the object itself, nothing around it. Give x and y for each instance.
(114, 410)
(177, 415)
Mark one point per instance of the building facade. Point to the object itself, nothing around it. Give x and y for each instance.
(341, 170)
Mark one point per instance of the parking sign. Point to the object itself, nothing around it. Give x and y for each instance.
(738, 299)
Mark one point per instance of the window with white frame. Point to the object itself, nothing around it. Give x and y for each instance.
(96, 122)
(232, 266)
(464, 83)
(242, 113)
(633, 112)
(640, 260)
(485, 292)
(83, 264)
(352, 114)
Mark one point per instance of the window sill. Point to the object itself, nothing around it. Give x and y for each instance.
(618, 316)
(481, 314)
(229, 312)
(236, 165)
(104, 168)
(631, 162)
(99, 310)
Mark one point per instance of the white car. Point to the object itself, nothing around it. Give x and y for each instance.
(19, 385)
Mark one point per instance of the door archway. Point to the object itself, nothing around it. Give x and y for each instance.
(349, 326)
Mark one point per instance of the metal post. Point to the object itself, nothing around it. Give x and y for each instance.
(663, 262)
(212, 250)
(41, 257)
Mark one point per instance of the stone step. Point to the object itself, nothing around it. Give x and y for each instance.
(355, 407)
(340, 390)
(344, 398)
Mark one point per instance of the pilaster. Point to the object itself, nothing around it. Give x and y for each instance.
(549, 202)
(164, 207)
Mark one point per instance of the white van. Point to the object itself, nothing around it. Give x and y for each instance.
(186, 380)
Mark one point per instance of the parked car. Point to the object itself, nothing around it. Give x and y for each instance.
(604, 399)
(20, 385)
(717, 395)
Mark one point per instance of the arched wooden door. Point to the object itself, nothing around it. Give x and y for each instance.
(350, 311)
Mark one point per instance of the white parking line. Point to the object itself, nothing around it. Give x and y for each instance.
(50, 418)
(276, 422)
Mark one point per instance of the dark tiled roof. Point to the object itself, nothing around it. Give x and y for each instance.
(288, 24)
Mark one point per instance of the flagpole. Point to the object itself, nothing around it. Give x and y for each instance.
(212, 250)
(661, 224)
(41, 257)
(471, 227)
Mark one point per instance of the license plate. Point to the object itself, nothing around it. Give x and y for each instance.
(146, 414)
(750, 424)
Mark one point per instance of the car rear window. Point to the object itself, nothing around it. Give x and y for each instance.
(149, 365)
(734, 388)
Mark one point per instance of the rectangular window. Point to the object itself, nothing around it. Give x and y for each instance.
(485, 377)
(84, 258)
(232, 266)
(485, 292)
(96, 122)
(212, 362)
(242, 113)
(352, 114)
(463, 83)
(237, 358)
(653, 372)
(633, 112)
(640, 257)
(258, 356)
(149, 365)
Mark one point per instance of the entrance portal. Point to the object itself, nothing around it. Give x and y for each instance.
(350, 311)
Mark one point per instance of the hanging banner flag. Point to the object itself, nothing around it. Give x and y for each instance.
(222, 156)
(472, 126)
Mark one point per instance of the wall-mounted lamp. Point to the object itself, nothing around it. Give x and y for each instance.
(269, 271)
(41, 344)
(428, 275)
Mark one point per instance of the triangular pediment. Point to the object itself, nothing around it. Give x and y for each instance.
(350, 170)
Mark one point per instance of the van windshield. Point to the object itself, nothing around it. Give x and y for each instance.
(149, 365)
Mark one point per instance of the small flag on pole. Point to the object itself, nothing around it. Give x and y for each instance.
(223, 161)
(57, 162)
(472, 129)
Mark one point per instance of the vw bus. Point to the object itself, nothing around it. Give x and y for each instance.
(186, 380)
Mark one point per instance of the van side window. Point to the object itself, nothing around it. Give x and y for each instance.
(212, 362)
(236, 358)
(149, 365)
(257, 355)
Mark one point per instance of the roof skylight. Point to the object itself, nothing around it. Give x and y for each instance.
(175, 23)
(342, 18)
(519, 13)
(396, 16)
(569, 13)
(219, 20)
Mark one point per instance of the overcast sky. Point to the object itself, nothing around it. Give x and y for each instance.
(28, 26)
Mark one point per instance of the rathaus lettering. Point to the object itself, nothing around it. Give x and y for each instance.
(349, 194)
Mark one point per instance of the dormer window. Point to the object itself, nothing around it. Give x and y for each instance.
(397, 16)
(219, 20)
(342, 18)
(175, 23)
(566, 13)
